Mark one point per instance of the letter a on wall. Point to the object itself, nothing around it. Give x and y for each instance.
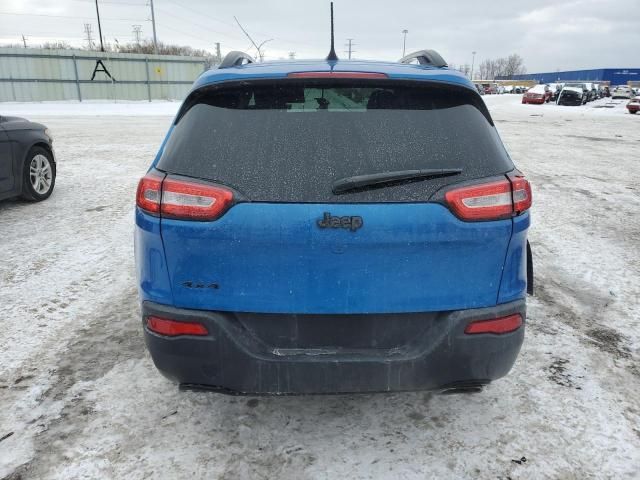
(100, 67)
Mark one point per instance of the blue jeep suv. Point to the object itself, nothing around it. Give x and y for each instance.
(333, 226)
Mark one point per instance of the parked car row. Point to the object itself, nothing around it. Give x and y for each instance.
(495, 88)
(579, 93)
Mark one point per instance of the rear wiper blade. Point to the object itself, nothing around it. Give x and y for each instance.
(388, 178)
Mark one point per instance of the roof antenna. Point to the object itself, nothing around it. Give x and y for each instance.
(332, 53)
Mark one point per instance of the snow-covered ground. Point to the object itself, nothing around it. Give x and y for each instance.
(89, 108)
(80, 398)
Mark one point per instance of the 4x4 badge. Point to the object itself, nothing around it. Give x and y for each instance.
(352, 223)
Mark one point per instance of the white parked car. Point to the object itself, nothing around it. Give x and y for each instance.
(622, 91)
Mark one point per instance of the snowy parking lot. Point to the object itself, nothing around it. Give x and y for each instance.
(80, 397)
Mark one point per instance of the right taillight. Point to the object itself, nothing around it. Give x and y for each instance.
(522, 197)
(183, 200)
(490, 201)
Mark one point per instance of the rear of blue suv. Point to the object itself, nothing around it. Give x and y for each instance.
(331, 227)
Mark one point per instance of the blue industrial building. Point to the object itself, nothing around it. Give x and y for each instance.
(616, 76)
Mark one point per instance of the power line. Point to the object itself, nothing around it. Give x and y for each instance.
(201, 25)
(86, 17)
(200, 13)
(163, 25)
(114, 3)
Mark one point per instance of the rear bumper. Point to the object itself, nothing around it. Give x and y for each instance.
(235, 358)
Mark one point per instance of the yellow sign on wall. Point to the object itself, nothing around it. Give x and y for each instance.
(159, 70)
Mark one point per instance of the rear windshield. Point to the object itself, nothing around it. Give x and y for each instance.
(290, 141)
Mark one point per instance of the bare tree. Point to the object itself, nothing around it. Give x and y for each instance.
(57, 45)
(489, 69)
(514, 65)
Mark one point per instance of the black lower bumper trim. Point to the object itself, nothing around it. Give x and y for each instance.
(437, 355)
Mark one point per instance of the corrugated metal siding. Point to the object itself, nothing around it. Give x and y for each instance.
(617, 76)
(39, 75)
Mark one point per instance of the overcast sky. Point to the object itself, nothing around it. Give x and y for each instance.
(549, 35)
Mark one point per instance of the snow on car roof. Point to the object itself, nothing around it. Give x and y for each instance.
(537, 89)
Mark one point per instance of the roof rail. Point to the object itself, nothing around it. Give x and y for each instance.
(235, 59)
(425, 57)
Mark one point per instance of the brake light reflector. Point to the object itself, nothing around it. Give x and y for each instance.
(522, 196)
(496, 326)
(196, 201)
(337, 75)
(174, 328)
(149, 192)
(488, 201)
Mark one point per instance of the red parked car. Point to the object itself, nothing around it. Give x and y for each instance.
(537, 94)
(634, 105)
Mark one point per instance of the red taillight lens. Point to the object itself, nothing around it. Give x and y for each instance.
(491, 201)
(182, 200)
(149, 192)
(196, 201)
(522, 196)
(488, 201)
(174, 328)
(337, 75)
(496, 326)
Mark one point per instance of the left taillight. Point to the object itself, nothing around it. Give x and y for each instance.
(490, 201)
(193, 201)
(149, 193)
(184, 200)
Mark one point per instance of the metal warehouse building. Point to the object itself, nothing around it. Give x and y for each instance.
(616, 76)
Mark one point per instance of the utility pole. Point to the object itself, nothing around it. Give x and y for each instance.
(137, 30)
(218, 54)
(87, 31)
(473, 62)
(153, 23)
(99, 27)
(404, 41)
(24, 41)
(349, 46)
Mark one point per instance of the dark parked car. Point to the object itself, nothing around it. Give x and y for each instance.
(27, 161)
(326, 226)
(573, 94)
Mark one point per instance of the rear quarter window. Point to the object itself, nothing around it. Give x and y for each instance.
(289, 141)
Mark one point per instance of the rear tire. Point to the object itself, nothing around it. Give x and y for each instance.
(38, 175)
